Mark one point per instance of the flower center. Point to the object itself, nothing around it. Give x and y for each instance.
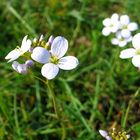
(125, 27)
(121, 135)
(111, 25)
(20, 50)
(54, 59)
(138, 51)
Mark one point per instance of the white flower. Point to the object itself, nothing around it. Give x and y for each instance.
(20, 68)
(54, 59)
(105, 134)
(133, 53)
(112, 25)
(120, 41)
(16, 53)
(127, 26)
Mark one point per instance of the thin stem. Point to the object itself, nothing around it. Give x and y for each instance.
(51, 93)
(128, 108)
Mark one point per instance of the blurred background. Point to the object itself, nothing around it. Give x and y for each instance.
(98, 94)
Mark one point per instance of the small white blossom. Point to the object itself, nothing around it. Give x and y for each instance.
(16, 53)
(133, 53)
(53, 59)
(127, 26)
(120, 40)
(112, 25)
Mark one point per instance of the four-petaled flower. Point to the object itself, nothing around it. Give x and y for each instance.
(120, 40)
(112, 25)
(127, 26)
(53, 59)
(17, 52)
(133, 53)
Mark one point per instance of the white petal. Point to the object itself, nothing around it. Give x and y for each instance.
(114, 29)
(41, 37)
(106, 31)
(22, 68)
(129, 39)
(136, 60)
(107, 22)
(115, 17)
(124, 20)
(13, 55)
(59, 46)
(122, 43)
(40, 55)
(136, 41)
(133, 26)
(128, 53)
(26, 44)
(49, 70)
(115, 41)
(103, 133)
(128, 136)
(15, 65)
(125, 33)
(108, 138)
(68, 63)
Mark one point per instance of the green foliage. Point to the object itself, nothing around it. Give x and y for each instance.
(94, 96)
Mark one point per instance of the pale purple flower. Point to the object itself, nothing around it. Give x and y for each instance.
(53, 60)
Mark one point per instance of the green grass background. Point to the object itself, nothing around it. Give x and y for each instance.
(98, 94)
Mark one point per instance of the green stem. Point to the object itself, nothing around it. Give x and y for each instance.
(52, 95)
(128, 108)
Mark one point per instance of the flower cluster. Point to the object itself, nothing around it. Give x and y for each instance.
(114, 135)
(121, 26)
(50, 54)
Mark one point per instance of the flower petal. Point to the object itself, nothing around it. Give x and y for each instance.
(49, 70)
(115, 41)
(107, 22)
(124, 20)
(13, 55)
(122, 43)
(133, 26)
(59, 46)
(128, 136)
(115, 17)
(108, 138)
(15, 65)
(128, 53)
(103, 133)
(40, 55)
(136, 41)
(22, 68)
(106, 31)
(136, 60)
(125, 33)
(26, 44)
(68, 63)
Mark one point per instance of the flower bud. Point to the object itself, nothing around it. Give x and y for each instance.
(29, 63)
